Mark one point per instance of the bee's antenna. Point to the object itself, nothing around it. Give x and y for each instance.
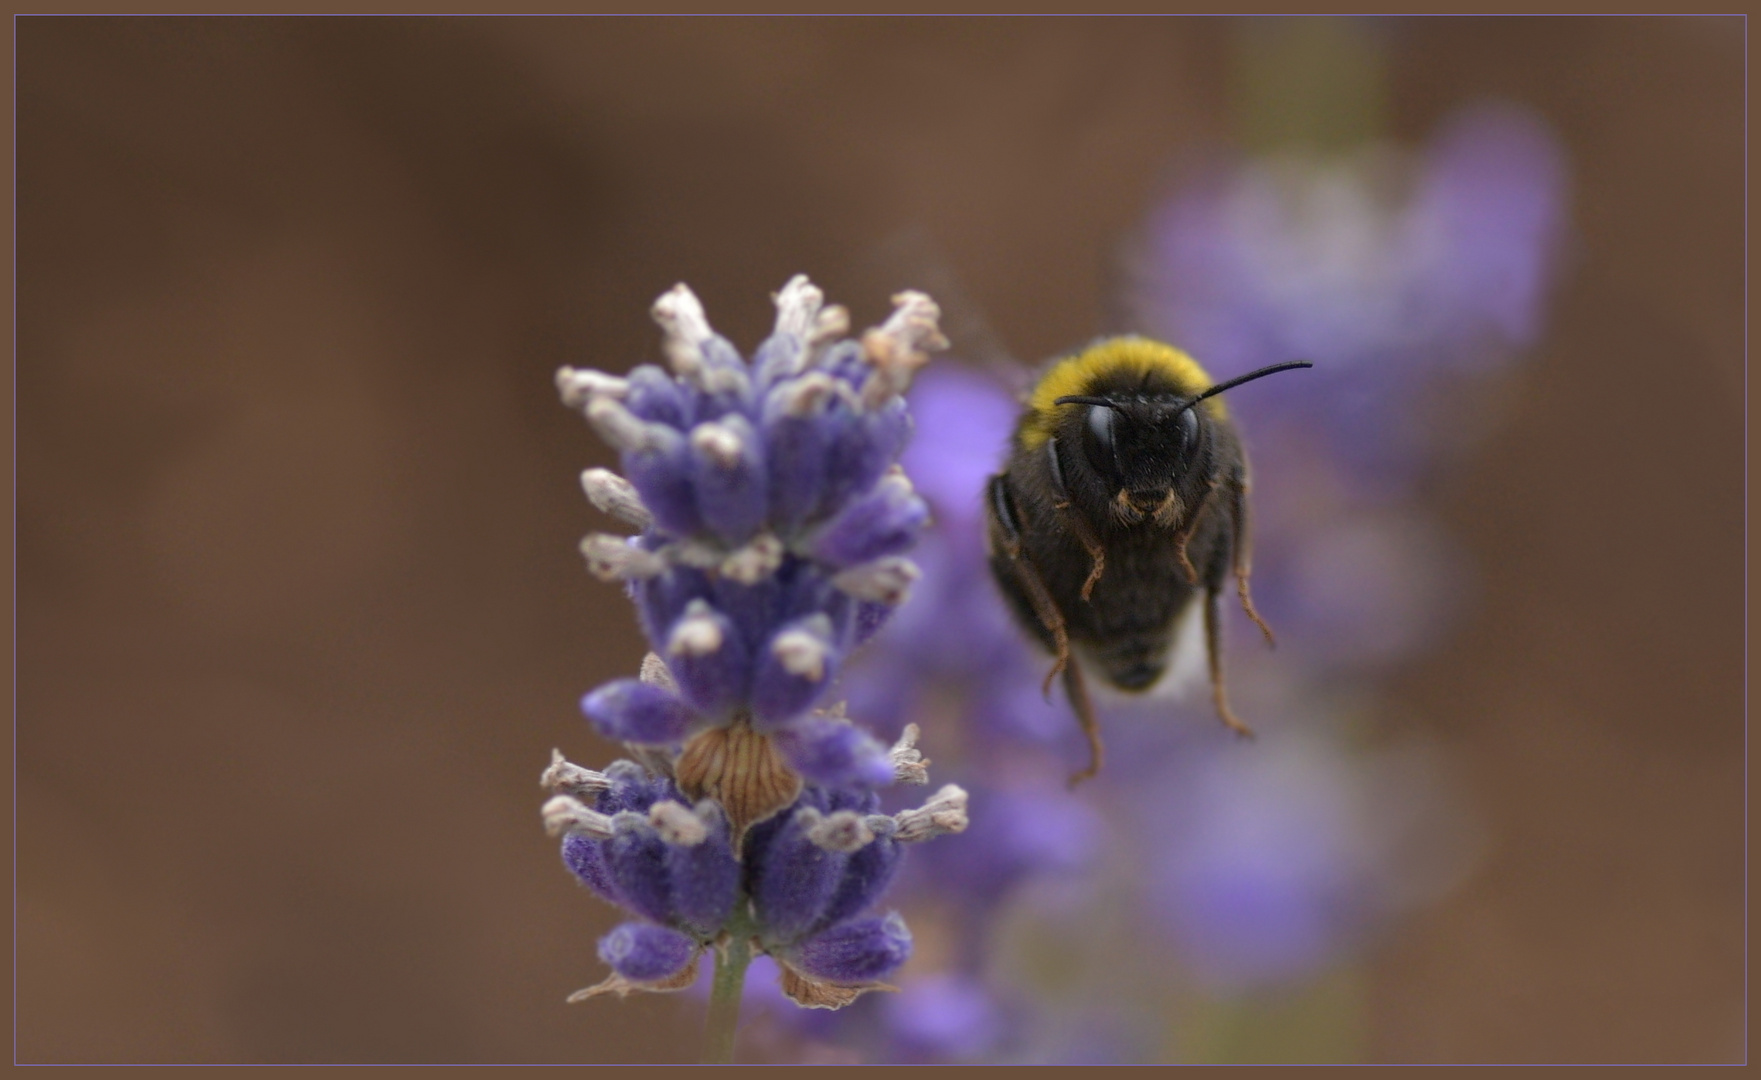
(1288, 365)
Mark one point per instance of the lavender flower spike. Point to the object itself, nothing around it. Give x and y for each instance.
(774, 524)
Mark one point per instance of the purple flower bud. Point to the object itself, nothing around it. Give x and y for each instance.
(866, 446)
(662, 476)
(643, 953)
(855, 952)
(884, 522)
(728, 469)
(792, 878)
(844, 362)
(632, 788)
(702, 358)
(583, 857)
(725, 382)
(661, 600)
(867, 874)
(656, 398)
(777, 358)
(756, 609)
(834, 753)
(707, 657)
(797, 437)
(636, 860)
(629, 710)
(793, 669)
(705, 876)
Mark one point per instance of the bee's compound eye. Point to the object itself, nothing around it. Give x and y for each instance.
(1188, 428)
(1098, 440)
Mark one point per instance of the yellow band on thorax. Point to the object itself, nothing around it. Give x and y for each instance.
(1124, 358)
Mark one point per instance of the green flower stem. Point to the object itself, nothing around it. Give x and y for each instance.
(730, 982)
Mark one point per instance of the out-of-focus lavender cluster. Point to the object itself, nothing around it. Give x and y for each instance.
(1198, 870)
(774, 521)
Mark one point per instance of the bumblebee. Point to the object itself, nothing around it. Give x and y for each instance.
(1123, 503)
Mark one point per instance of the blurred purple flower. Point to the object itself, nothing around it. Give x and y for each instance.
(1268, 864)
(1026, 830)
(1254, 867)
(945, 1017)
(1382, 269)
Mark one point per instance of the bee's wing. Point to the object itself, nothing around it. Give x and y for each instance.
(910, 258)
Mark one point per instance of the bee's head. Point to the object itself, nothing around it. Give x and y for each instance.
(1146, 447)
(1142, 449)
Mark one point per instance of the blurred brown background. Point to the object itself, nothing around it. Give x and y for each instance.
(300, 614)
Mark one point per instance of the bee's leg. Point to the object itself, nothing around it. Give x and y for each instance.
(1077, 525)
(1006, 535)
(1097, 554)
(1214, 650)
(1243, 556)
(1184, 533)
(1077, 691)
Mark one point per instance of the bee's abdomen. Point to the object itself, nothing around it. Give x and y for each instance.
(1138, 666)
(1127, 624)
(1129, 632)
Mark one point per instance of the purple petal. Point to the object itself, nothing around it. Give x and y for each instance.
(867, 874)
(662, 476)
(629, 710)
(660, 600)
(756, 609)
(884, 522)
(728, 471)
(794, 668)
(705, 880)
(791, 878)
(636, 861)
(775, 358)
(855, 952)
(1494, 194)
(633, 788)
(708, 658)
(655, 397)
(644, 953)
(864, 446)
(665, 486)
(731, 379)
(796, 452)
(583, 856)
(834, 753)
